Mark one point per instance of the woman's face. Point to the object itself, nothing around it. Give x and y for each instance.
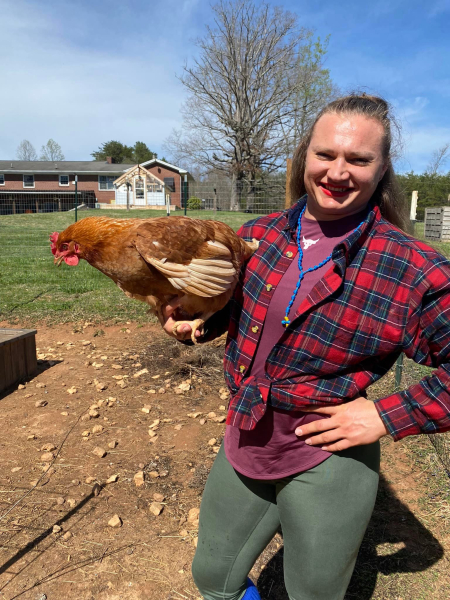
(344, 164)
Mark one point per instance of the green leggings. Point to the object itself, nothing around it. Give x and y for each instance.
(323, 513)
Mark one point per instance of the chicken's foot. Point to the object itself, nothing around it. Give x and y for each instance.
(196, 324)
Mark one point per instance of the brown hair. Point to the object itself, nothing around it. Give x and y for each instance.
(387, 195)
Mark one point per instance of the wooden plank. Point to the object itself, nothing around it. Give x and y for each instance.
(30, 357)
(6, 335)
(8, 378)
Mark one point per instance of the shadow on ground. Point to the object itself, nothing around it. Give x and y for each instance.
(392, 523)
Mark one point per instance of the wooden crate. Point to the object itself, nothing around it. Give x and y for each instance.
(17, 356)
(437, 223)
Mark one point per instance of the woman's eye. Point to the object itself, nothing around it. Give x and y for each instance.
(323, 155)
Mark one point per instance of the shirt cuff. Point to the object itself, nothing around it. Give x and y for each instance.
(397, 417)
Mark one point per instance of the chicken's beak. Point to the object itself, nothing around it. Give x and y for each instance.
(58, 260)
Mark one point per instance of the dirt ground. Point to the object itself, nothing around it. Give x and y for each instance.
(55, 540)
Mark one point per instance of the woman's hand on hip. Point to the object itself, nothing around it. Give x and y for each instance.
(355, 423)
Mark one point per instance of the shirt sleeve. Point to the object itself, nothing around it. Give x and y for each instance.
(424, 407)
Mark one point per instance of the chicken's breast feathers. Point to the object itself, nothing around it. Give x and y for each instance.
(187, 253)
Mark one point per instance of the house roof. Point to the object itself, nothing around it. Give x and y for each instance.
(63, 166)
(156, 161)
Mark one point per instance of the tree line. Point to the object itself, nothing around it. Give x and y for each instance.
(118, 152)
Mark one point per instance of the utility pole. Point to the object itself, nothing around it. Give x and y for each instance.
(76, 198)
(185, 194)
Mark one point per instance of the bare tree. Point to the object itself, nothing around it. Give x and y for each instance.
(247, 90)
(51, 151)
(438, 159)
(25, 151)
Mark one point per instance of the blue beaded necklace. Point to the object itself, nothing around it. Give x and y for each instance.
(286, 322)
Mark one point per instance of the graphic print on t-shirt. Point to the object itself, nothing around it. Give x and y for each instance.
(308, 243)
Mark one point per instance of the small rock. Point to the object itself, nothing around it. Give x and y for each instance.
(212, 442)
(97, 429)
(28, 395)
(139, 479)
(118, 367)
(156, 508)
(141, 372)
(183, 533)
(101, 386)
(90, 479)
(122, 384)
(116, 521)
(211, 415)
(86, 433)
(162, 391)
(85, 417)
(32, 437)
(15, 469)
(48, 447)
(193, 515)
(96, 489)
(66, 536)
(222, 407)
(216, 449)
(151, 433)
(202, 421)
(194, 415)
(153, 439)
(178, 427)
(41, 403)
(64, 413)
(112, 479)
(94, 414)
(223, 390)
(155, 424)
(72, 390)
(156, 376)
(40, 385)
(60, 501)
(71, 502)
(151, 391)
(158, 497)
(221, 419)
(154, 474)
(47, 457)
(56, 528)
(184, 387)
(100, 452)
(113, 444)
(146, 409)
(20, 386)
(141, 465)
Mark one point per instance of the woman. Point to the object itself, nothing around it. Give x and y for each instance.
(335, 292)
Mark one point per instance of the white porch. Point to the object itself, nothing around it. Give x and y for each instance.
(138, 188)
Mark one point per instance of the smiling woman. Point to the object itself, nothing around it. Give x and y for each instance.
(334, 294)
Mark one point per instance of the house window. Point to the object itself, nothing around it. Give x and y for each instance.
(28, 181)
(105, 182)
(2, 179)
(169, 182)
(63, 180)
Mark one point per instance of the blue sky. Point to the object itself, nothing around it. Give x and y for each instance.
(84, 72)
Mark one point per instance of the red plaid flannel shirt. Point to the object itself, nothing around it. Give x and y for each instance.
(385, 293)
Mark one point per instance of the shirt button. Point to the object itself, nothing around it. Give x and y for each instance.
(269, 286)
(255, 329)
(241, 368)
(289, 254)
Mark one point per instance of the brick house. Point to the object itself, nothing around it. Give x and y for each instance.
(44, 186)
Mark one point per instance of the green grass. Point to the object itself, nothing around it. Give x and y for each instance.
(33, 290)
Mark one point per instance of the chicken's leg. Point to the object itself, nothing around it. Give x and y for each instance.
(195, 324)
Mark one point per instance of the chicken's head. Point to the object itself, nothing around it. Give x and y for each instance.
(67, 251)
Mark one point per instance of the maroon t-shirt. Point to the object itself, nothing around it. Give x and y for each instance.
(272, 450)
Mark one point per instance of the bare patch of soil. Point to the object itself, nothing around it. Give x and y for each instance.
(118, 371)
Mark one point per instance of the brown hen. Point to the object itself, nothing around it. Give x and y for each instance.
(157, 260)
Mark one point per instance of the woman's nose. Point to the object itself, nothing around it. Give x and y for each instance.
(338, 170)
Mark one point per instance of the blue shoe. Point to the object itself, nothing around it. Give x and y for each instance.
(252, 592)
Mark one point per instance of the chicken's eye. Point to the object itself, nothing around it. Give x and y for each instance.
(64, 247)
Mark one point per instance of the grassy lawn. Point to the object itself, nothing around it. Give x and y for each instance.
(32, 289)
